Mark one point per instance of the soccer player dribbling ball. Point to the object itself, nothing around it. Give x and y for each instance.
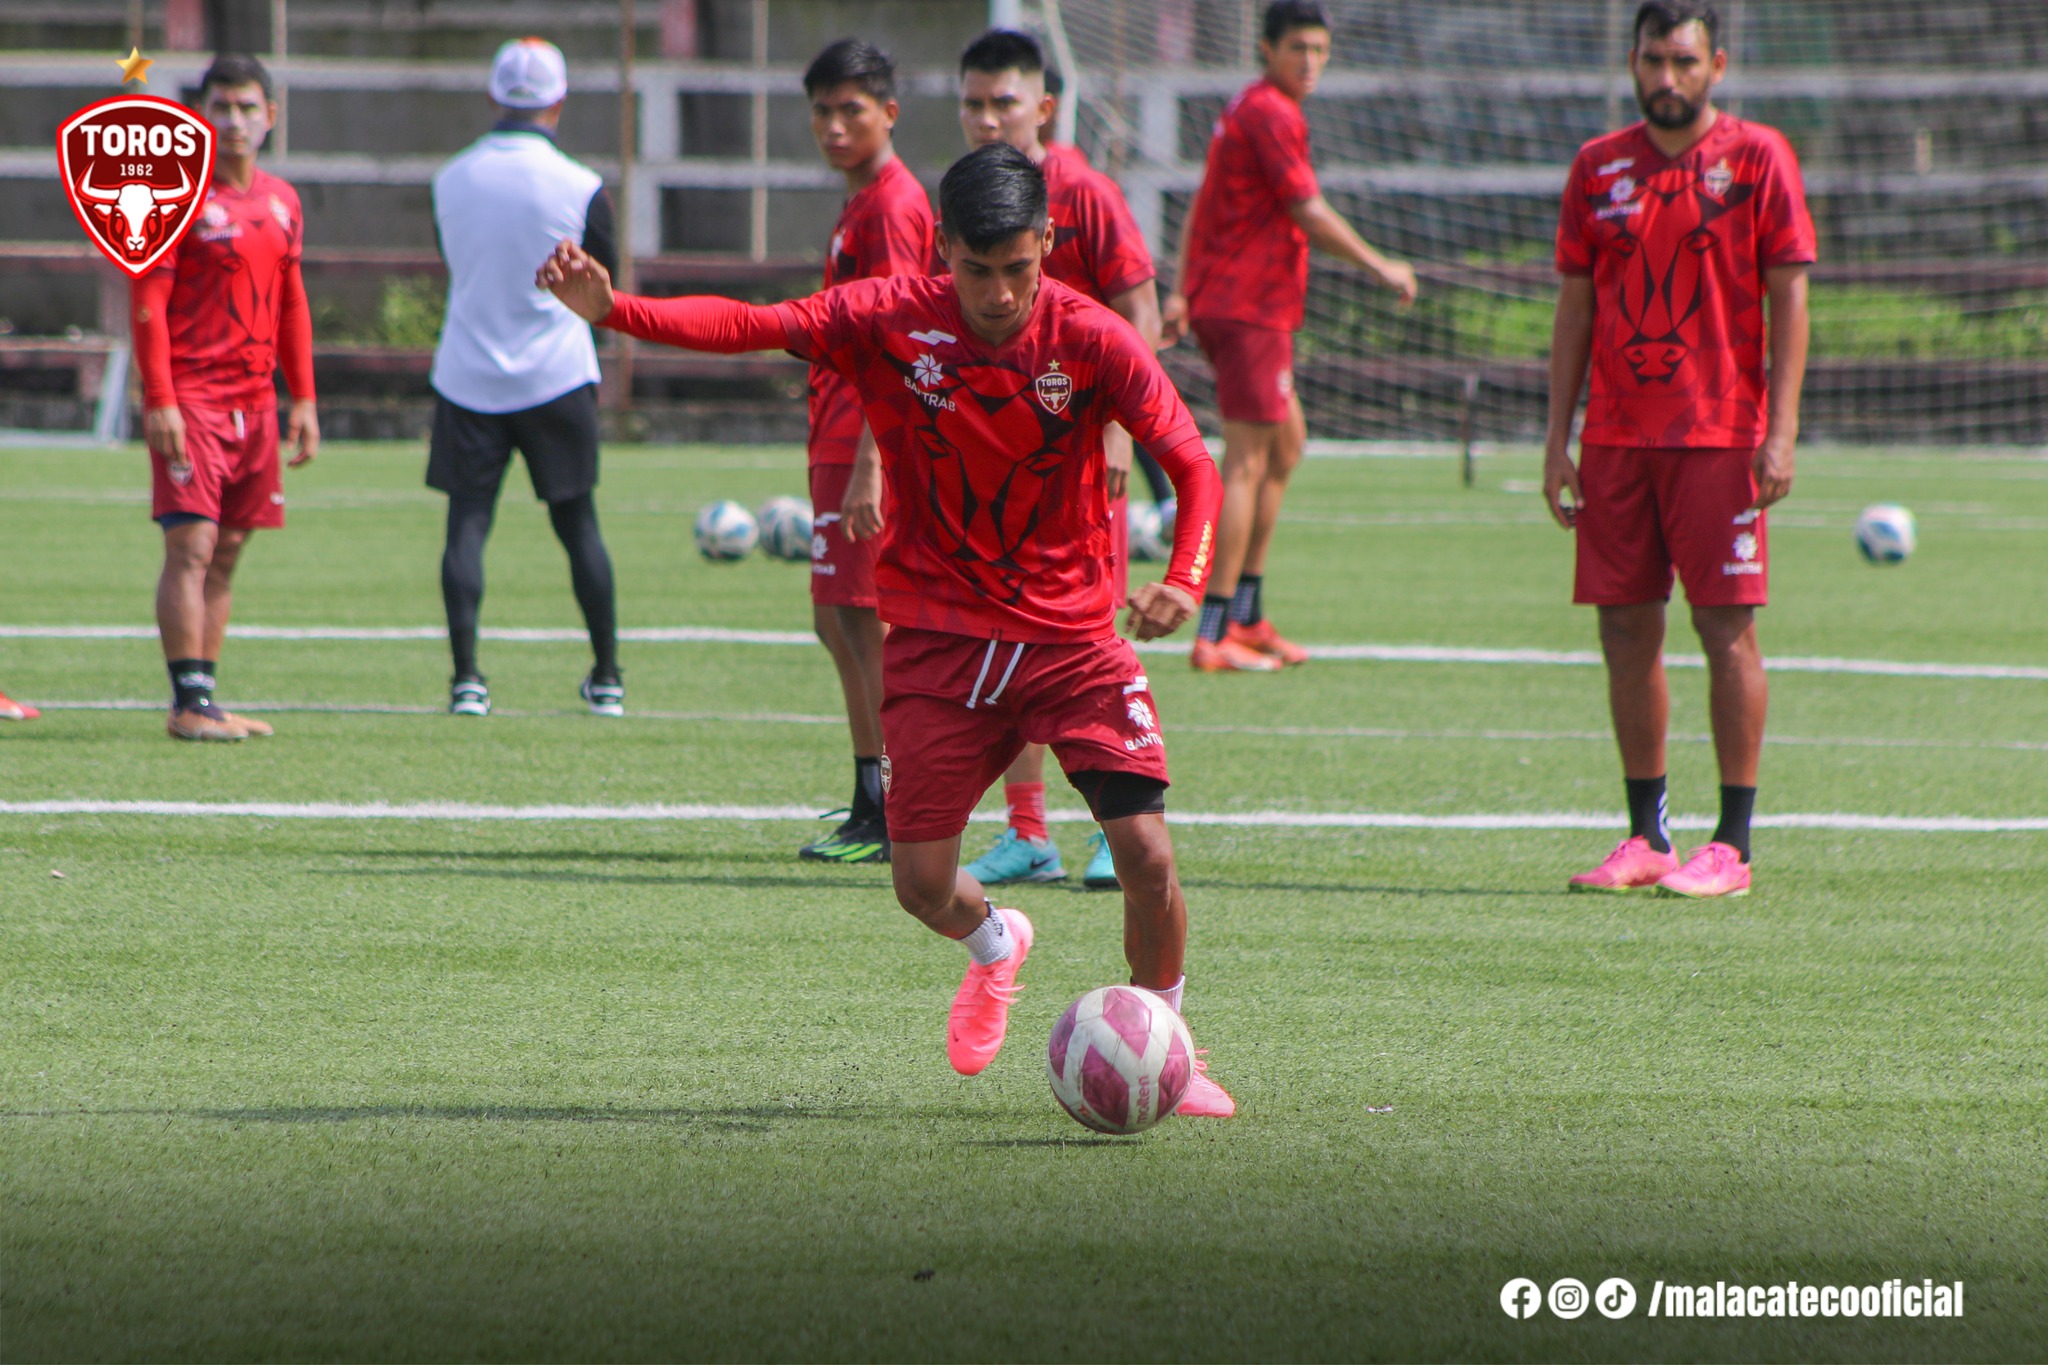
(1673, 233)
(884, 228)
(212, 323)
(1241, 286)
(1098, 250)
(988, 391)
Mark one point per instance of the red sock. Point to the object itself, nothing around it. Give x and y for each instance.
(1026, 801)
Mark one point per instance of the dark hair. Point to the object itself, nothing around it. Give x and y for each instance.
(1003, 49)
(1283, 15)
(851, 61)
(1055, 83)
(990, 195)
(235, 68)
(1660, 17)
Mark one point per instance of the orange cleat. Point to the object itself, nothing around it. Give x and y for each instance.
(981, 1007)
(15, 710)
(1712, 870)
(208, 724)
(1205, 1099)
(1263, 639)
(1633, 866)
(1227, 656)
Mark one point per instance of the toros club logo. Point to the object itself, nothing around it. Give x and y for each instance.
(136, 169)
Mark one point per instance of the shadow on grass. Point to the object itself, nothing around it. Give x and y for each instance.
(742, 880)
(760, 1118)
(1053, 1142)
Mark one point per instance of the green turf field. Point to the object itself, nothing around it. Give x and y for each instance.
(467, 1088)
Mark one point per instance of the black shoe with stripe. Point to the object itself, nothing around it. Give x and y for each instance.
(860, 839)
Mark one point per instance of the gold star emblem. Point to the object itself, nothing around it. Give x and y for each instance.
(134, 66)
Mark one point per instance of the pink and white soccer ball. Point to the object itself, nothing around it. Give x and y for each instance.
(1120, 1060)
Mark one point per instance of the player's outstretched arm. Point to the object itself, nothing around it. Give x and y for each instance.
(1328, 231)
(693, 322)
(1571, 346)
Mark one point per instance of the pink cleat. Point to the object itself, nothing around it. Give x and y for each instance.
(1205, 1099)
(16, 710)
(1713, 870)
(1633, 866)
(981, 1007)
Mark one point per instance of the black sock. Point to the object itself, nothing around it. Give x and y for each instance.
(191, 683)
(590, 571)
(867, 789)
(1245, 607)
(1738, 804)
(1647, 811)
(1215, 613)
(462, 577)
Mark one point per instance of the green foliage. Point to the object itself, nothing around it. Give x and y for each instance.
(1854, 323)
(410, 311)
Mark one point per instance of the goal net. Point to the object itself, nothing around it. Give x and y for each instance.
(1443, 130)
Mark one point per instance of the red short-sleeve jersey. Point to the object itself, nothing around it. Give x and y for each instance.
(236, 302)
(1247, 257)
(1677, 250)
(999, 521)
(884, 229)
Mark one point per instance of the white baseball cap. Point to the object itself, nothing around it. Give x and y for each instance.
(529, 73)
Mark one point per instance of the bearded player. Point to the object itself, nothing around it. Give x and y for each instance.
(1673, 234)
(988, 393)
(885, 228)
(212, 322)
(1097, 250)
(1242, 284)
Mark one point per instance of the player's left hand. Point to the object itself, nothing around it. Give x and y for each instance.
(302, 432)
(1158, 609)
(1773, 467)
(1173, 319)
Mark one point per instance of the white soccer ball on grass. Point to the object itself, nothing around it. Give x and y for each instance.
(1886, 533)
(726, 531)
(1120, 1059)
(1148, 540)
(786, 528)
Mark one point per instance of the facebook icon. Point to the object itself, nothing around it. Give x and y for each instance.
(1520, 1298)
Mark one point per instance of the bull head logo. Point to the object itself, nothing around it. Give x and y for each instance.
(135, 169)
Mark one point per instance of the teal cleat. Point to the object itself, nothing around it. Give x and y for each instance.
(1101, 873)
(1014, 858)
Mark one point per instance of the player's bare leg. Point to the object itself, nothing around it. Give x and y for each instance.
(1632, 639)
(853, 637)
(1024, 850)
(220, 601)
(931, 884)
(182, 618)
(1248, 624)
(1156, 933)
(1738, 697)
(1247, 452)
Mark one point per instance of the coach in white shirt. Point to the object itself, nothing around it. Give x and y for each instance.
(515, 368)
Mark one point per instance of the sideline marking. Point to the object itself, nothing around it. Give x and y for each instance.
(370, 708)
(1267, 819)
(1365, 653)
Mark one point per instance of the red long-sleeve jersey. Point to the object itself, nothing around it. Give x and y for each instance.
(999, 517)
(227, 306)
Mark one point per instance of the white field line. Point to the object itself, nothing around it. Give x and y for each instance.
(1361, 653)
(1270, 819)
(1263, 731)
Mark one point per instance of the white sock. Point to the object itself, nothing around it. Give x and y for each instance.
(991, 940)
(1171, 994)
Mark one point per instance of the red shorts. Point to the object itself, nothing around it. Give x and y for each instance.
(957, 710)
(1254, 368)
(842, 570)
(1649, 512)
(233, 479)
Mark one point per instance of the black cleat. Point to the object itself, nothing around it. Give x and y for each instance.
(858, 840)
(469, 697)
